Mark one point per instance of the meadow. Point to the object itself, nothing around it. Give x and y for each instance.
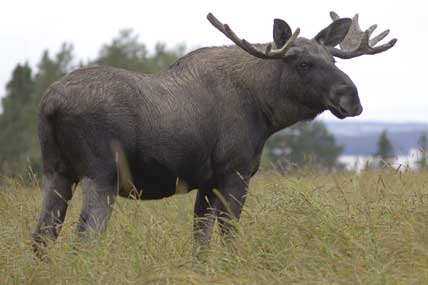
(304, 228)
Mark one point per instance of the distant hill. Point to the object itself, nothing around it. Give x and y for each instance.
(360, 138)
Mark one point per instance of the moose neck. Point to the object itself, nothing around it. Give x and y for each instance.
(262, 79)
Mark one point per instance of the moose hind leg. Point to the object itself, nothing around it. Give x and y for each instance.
(57, 192)
(98, 200)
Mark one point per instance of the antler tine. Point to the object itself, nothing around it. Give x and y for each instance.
(378, 38)
(269, 53)
(243, 43)
(372, 28)
(357, 42)
(227, 31)
(334, 16)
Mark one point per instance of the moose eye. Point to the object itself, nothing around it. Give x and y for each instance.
(304, 66)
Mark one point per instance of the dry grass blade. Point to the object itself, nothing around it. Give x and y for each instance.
(369, 228)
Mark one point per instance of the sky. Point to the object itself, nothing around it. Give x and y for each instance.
(390, 84)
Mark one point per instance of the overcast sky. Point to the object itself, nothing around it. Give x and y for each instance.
(390, 84)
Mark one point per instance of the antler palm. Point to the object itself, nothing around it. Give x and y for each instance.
(357, 42)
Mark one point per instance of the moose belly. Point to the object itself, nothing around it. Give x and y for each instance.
(154, 190)
(152, 180)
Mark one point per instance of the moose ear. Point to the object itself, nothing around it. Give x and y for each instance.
(281, 32)
(334, 33)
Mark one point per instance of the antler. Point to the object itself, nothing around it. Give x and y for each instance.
(357, 42)
(269, 53)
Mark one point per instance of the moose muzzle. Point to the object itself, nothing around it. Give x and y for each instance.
(344, 101)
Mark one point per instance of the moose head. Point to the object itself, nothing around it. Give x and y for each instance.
(309, 74)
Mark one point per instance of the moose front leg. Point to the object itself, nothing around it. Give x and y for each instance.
(204, 219)
(226, 205)
(232, 196)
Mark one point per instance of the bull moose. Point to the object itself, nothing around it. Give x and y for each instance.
(202, 123)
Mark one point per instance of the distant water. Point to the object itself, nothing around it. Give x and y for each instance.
(359, 162)
(360, 138)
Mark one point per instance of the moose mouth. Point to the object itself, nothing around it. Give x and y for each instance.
(338, 111)
(341, 112)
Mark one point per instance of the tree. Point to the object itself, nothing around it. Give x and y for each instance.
(304, 144)
(126, 51)
(385, 150)
(19, 147)
(19, 91)
(51, 69)
(422, 161)
(20, 86)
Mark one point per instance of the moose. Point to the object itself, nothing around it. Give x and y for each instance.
(201, 124)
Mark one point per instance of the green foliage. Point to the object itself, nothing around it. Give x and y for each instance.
(51, 69)
(14, 119)
(422, 161)
(305, 228)
(19, 90)
(19, 147)
(304, 144)
(385, 150)
(126, 51)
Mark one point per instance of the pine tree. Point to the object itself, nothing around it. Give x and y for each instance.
(19, 92)
(19, 146)
(126, 51)
(422, 161)
(51, 69)
(385, 150)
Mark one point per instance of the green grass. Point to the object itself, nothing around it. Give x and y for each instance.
(307, 228)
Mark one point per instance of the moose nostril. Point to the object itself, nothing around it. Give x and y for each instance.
(358, 109)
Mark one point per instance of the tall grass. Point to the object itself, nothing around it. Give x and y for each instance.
(307, 228)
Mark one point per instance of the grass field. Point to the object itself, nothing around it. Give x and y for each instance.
(307, 228)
